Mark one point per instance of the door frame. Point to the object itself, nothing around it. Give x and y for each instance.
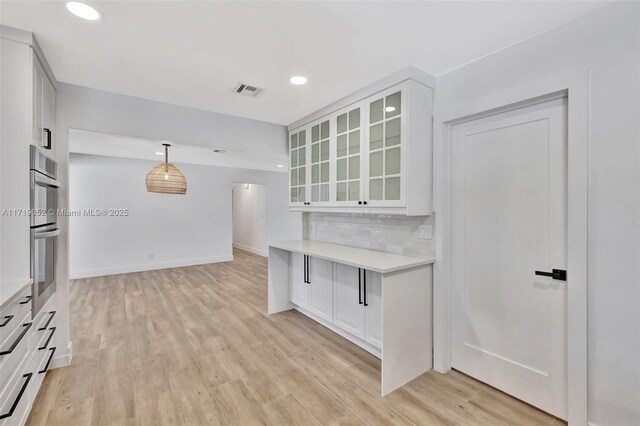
(575, 87)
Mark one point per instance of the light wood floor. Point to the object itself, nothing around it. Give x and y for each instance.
(194, 346)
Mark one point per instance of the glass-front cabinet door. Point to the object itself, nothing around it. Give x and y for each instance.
(385, 146)
(349, 156)
(298, 167)
(320, 164)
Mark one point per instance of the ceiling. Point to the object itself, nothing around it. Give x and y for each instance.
(193, 53)
(96, 143)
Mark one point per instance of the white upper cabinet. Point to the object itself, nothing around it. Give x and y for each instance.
(373, 155)
(44, 108)
(298, 167)
(320, 164)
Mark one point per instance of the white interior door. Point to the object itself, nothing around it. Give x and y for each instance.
(510, 219)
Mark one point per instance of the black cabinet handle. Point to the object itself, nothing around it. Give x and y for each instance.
(364, 282)
(364, 202)
(308, 271)
(7, 320)
(43, 347)
(556, 274)
(26, 300)
(18, 398)
(46, 367)
(15, 344)
(360, 203)
(48, 132)
(359, 286)
(53, 314)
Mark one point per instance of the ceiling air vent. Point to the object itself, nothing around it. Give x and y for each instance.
(245, 89)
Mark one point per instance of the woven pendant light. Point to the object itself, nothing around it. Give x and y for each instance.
(165, 178)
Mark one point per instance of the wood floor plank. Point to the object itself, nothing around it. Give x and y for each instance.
(194, 346)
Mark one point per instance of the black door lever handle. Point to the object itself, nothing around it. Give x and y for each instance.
(556, 274)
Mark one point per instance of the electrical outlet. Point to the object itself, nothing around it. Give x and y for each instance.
(425, 232)
(314, 230)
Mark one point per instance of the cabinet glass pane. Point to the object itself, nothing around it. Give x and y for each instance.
(324, 172)
(341, 169)
(302, 137)
(342, 123)
(354, 119)
(302, 153)
(315, 193)
(294, 158)
(375, 111)
(302, 175)
(294, 177)
(324, 130)
(324, 192)
(301, 195)
(354, 190)
(315, 153)
(324, 151)
(392, 107)
(341, 191)
(392, 132)
(342, 145)
(294, 140)
(375, 189)
(375, 163)
(315, 173)
(392, 162)
(294, 195)
(392, 188)
(315, 133)
(375, 137)
(354, 142)
(354, 167)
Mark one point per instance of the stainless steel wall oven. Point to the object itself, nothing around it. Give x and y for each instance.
(44, 228)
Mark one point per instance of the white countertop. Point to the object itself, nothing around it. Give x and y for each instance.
(371, 260)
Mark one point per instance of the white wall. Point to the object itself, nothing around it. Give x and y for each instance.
(249, 217)
(165, 230)
(607, 42)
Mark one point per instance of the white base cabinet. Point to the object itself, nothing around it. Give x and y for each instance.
(26, 352)
(386, 311)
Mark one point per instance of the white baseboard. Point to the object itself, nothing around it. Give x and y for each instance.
(63, 360)
(251, 250)
(88, 273)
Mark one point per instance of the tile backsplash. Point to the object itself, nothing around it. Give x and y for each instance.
(393, 234)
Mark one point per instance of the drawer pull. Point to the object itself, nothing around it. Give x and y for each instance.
(26, 300)
(7, 319)
(53, 330)
(17, 341)
(46, 367)
(44, 327)
(18, 398)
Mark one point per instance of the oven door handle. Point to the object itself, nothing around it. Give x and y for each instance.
(45, 181)
(46, 234)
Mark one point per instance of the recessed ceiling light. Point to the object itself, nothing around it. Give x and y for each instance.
(390, 109)
(159, 153)
(83, 10)
(280, 166)
(298, 80)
